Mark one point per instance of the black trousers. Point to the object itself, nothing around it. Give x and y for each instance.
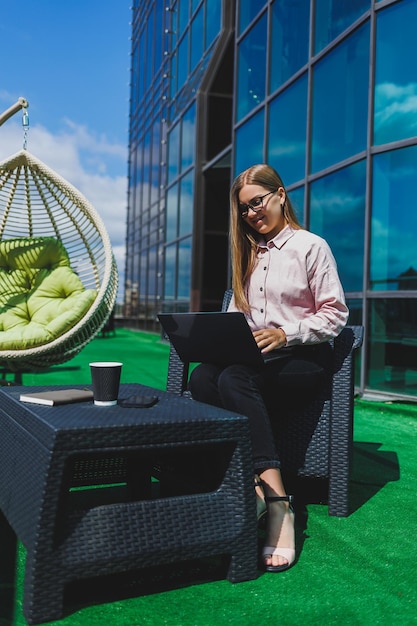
(254, 393)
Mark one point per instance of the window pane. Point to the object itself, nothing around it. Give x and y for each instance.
(158, 43)
(287, 132)
(182, 67)
(395, 73)
(173, 82)
(333, 17)
(394, 225)
(147, 60)
(184, 269)
(340, 101)
(297, 200)
(172, 214)
(186, 204)
(173, 152)
(156, 160)
(337, 213)
(188, 138)
(197, 39)
(213, 20)
(392, 346)
(248, 9)
(249, 143)
(289, 40)
(151, 291)
(252, 69)
(146, 172)
(170, 272)
(183, 8)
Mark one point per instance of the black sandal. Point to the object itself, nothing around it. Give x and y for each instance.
(286, 553)
(261, 509)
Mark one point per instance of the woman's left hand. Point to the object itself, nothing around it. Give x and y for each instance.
(269, 339)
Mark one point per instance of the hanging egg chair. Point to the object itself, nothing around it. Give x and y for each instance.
(58, 274)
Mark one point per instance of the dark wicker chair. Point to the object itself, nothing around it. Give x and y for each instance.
(316, 440)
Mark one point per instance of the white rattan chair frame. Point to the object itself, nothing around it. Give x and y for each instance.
(35, 201)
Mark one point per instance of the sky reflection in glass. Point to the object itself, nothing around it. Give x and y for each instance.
(395, 74)
(394, 220)
(337, 214)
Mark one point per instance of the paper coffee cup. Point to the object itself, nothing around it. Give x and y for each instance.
(105, 377)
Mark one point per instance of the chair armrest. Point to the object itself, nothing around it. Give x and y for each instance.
(226, 299)
(341, 421)
(177, 378)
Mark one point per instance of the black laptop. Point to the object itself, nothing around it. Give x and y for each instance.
(223, 338)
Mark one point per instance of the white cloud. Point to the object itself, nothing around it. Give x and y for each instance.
(92, 164)
(395, 110)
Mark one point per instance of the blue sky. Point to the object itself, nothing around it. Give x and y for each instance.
(71, 61)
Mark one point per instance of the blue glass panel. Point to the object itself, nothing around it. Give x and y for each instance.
(146, 172)
(147, 61)
(171, 225)
(337, 213)
(394, 220)
(289, 39)
(248, 9)
(173, 76)
(170, 271)
(333, 17)
(156, 159)
(340, 101)
(184, 269)
(287, 132)
(188, 138)
(186, 204)
(173, 152)
(197, 39)
(159, 29)
(152, 258)
(183, 9)
(141, 74)
(395, 73)
(213, 20)
(249, 143)
(297, 200)
(252, 69)
(182, 67)
(392, 345)
(143, 276)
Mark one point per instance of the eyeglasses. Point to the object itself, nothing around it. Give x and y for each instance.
(256, 205)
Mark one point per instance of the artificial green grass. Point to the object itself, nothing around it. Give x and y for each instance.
(359, 570)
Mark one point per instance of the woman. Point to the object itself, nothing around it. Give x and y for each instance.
(286, 283)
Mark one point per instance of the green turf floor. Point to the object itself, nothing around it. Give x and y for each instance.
(359, 570)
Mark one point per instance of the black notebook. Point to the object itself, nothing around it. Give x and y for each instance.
(223, 338)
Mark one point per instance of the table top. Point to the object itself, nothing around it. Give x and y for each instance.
(87, 423)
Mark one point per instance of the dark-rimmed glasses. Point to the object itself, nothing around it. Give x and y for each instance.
(256, 205)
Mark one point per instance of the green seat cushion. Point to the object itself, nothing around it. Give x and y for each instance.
(41, 297)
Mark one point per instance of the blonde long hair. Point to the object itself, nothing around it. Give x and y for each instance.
(243, 239)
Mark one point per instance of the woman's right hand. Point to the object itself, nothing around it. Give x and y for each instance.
(268, 339)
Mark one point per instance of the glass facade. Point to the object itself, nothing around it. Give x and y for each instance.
(324, 91)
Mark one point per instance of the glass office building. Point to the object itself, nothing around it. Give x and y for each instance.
(323, 90)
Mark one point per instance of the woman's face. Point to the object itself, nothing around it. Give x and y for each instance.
(268, 217)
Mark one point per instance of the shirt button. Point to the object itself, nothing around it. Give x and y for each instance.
(262, 310)
(261, 289)
(265, 268)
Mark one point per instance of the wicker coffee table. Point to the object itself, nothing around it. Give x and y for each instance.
(48, 453)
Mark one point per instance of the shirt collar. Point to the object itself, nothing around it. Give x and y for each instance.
(279, 240)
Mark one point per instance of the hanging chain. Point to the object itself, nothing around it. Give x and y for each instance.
(25, 124)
